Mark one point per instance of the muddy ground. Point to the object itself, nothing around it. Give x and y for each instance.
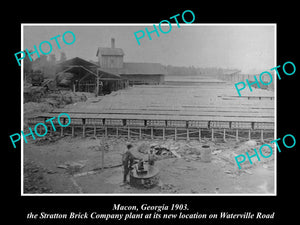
(55, 164)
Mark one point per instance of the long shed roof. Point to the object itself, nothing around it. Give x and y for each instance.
(75, 64)
(137, 68)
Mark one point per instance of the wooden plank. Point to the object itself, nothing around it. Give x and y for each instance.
(125, 106)
(169, 117)
(186, 113)
(175, 153)
(167, 110)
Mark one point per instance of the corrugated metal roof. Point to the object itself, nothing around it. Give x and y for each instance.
(110, 51)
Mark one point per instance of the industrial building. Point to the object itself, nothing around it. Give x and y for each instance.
(112, 60)
(78, 74)
(109, 74)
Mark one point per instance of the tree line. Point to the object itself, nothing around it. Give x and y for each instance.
(44, 64)
(191, 70)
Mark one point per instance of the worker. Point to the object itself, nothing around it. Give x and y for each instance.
(151, 156)
(128, 161)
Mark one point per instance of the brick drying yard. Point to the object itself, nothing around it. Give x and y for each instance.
(69, 161)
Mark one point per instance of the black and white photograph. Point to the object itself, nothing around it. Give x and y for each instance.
(150, 113)
(143, 109)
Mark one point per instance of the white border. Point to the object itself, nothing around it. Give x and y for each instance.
(149, 24)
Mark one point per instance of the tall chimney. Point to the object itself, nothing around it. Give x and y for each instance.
(112, 43)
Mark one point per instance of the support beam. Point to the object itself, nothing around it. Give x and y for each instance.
(140, 133)
(97, 84)
(224, 135)
(187, 134)
(151, 132)
(199, 134)
(249, 135)
(102, 158)
(83, 130)
(212, 134)
(164, 130)
(237, 135)
(175, 133)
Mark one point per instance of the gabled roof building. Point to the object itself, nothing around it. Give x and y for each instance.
(78, 74)
(112, 60)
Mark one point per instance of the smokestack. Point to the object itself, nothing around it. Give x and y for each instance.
(112, 43)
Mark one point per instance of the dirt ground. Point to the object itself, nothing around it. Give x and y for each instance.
(73, 165)
(67, 165)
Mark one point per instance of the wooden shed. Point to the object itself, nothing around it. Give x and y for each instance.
(143, 73)
(80, 75)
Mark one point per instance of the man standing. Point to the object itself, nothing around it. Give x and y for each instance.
(127, 160)
(151, 156)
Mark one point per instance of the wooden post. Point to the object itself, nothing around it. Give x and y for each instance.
(151, 132)
(51, 130)
(83, 130)
(95, 130)
(175, 133)
(128, 132)
(97, 84)
(224, 135)
(164, 129)
(117, 131)
(105, 130)
(187, 134)
(249, 135)
(237, 135)
(262, 135)
(102, 158)
(140, 134)
(212, 134)
(61, 131)
(199, 134)
(73, 131)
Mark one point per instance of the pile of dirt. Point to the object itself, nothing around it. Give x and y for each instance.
(46, 140)
(53, 100)
(62, 98)
(227, 153)
(33, 93)
(34, 108)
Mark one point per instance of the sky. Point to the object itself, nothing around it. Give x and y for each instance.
(247, 47)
